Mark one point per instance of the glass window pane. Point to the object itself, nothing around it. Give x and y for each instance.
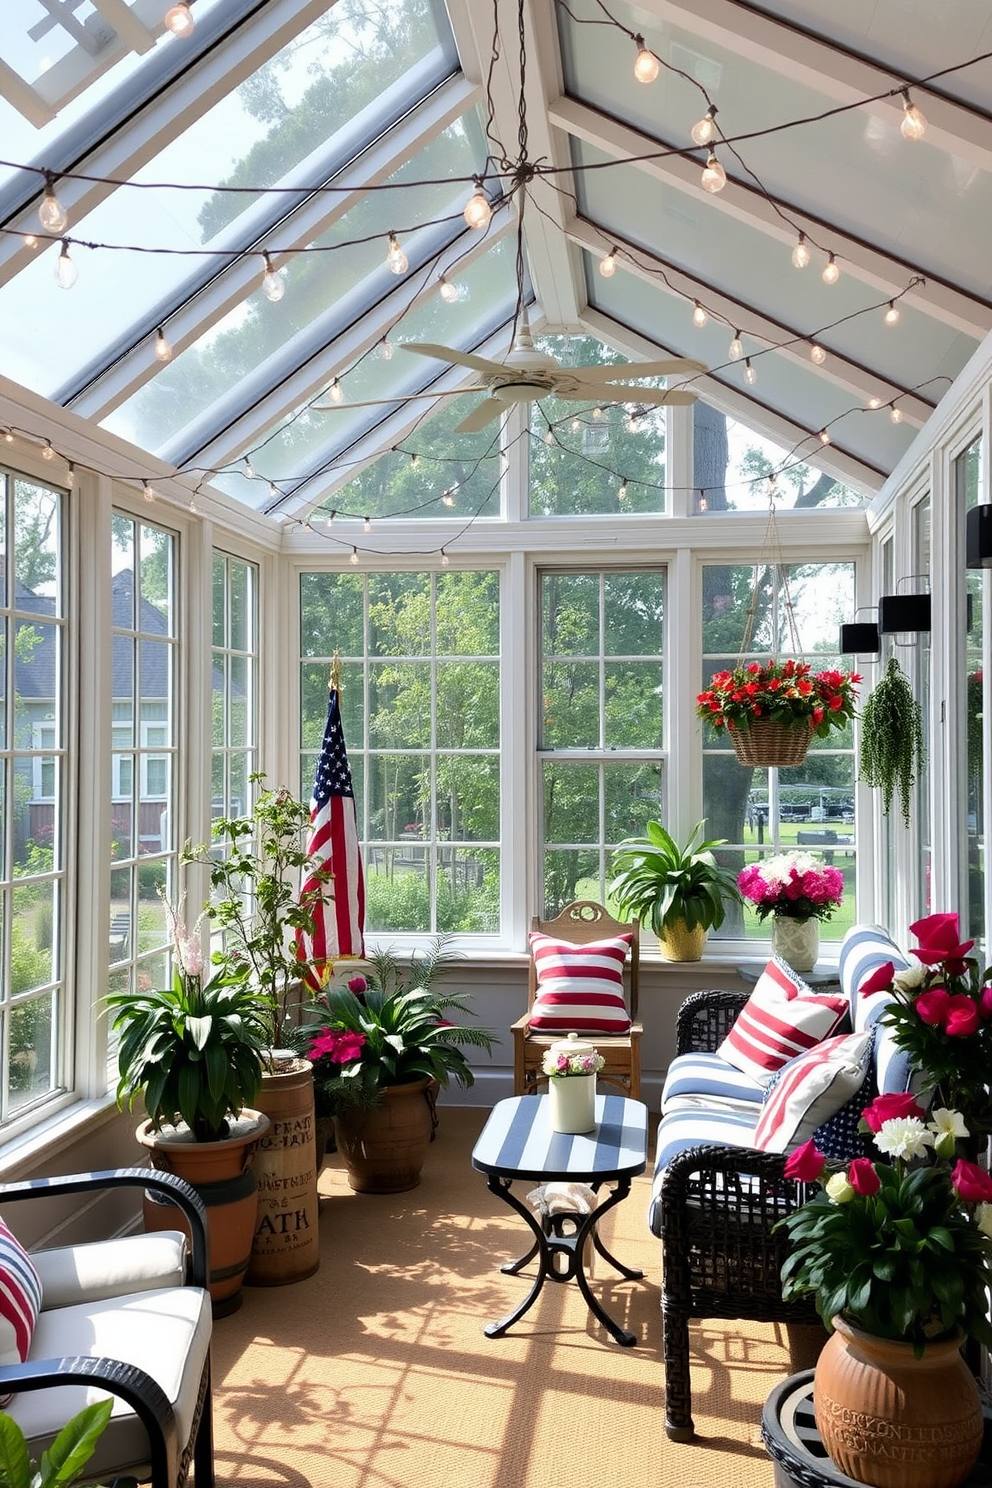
(399, 705)
(468, 705)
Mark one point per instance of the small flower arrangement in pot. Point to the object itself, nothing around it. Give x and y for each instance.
(797, 890)
(771, 708)
(898, 1256)
(571, 1067)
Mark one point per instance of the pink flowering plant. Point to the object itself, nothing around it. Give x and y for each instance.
(796, 885)
(559, 1064)
(941, 1014)
(902, 1247)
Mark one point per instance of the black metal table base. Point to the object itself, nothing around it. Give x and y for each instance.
(559, 1244)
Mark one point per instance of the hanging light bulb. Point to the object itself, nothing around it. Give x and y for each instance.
(576, 425)
(51, 214)
(631, 424)
(736, 348)
(704, 131)
(714, 177)
(163, 347)
(354, 557)
(30, 241)
(891, 315)
(817, 354)
(367, 525)
(396, 258)
(66, 272)
(913, 125)
(896, 415)
(750, 375)
(336, 392)
(622, 492)
(608, 265)
(448, 291)
(874, 402)
(646, 64)
(47, 451)
(146, 488)
(179, 20)
(800, 253)
(386, 348)
(249, 468)
(478, 213)
(273, 284)
(831, 273)
(8, 435)
(699, 316)
(444, 559)
(824, 436)
(549, 435)
(414, 459)
(448, 498)
(597, 413)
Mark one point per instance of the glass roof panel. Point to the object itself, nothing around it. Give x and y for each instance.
(344, 261)
(310, 440)
(292, 108)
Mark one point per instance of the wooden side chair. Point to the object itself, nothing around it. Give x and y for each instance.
(588, 988)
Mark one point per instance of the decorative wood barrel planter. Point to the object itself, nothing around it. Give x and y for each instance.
(222, 1174)
(767, 742)
(384, 1149)
(285, 1247)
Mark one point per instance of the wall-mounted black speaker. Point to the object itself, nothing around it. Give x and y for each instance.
(860, 636)
(978, 537)
(903, 612)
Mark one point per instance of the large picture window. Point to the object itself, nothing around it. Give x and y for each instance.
(234, 714)
(420, 676)
(602, 722)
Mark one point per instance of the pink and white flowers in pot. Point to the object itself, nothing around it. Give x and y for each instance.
(794, 885)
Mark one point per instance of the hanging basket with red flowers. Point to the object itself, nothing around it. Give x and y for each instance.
(771, 709)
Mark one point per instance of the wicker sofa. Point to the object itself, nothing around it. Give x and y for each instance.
(715, 1197)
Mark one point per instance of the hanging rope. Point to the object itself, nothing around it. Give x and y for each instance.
(772, 559)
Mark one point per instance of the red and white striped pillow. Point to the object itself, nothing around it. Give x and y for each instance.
(20, 1299)
(811, 1089)
(782, 1018)
(579, 987)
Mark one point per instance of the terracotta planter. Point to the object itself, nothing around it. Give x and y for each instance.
(385, 1148)
(323, 1132)
(221, 1172)
(891, 1420)
(797, 942)
(285, 1248)
(766, 742)
(679, 943)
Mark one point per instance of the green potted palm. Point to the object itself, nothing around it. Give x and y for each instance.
(681, 891)
(192, 1053)
(380, 1054)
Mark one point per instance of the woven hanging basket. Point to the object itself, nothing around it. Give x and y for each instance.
(768, 742)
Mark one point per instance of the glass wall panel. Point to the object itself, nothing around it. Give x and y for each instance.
(732, 465)
(968, 481)
(234, 723)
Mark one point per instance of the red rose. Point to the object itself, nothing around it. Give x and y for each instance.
(889, 1107)
(805, 1164)
(932, 1006)
(971, 1182)
(962, 1016)
(879, 981)
(938, 935)
(862, 1177)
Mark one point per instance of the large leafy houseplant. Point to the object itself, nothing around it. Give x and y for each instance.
(191, 1050)
(257, 863)
(661, 882)
(63, 1463)
(892, 751)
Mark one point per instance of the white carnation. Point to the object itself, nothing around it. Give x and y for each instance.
(904, 1136)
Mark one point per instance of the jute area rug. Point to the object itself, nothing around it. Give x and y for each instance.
(375, 1372)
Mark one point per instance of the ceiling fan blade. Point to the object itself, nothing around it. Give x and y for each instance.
(669, 367)
(448, 354)
(619, 393)
(399, 398)
(488, 410)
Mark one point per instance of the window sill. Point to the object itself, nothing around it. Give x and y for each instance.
(23, 1155)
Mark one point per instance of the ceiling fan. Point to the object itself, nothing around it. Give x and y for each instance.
(526, 374)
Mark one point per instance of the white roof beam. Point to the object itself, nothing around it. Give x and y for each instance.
(941, 301)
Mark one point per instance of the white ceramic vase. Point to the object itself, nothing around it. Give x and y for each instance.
(573, 1103)
(796, 942)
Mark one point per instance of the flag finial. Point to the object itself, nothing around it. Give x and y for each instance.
(335, 683)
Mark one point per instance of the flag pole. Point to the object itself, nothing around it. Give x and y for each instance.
(335, 682)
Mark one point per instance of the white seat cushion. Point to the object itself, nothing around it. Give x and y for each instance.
(106, 1268)
(165, 1332)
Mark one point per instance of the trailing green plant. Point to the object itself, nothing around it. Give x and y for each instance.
(62, 1464)
(192, 1050)
(257, 863)
(892, 753)
(659, 882)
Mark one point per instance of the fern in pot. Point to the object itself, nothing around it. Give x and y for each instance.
(892, 753)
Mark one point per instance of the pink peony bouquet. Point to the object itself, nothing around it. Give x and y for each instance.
(797, 886)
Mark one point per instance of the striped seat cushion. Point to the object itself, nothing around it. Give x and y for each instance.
(783, 1017)
(709, 1075)
(695, 1127)
(811, 1089)
(579, 987)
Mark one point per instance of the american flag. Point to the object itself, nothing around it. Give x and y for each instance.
(339, 913)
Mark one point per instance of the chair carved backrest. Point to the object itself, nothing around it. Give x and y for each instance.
(583, 922)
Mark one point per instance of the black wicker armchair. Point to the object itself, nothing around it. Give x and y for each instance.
(718, 1205)
(161, 1426)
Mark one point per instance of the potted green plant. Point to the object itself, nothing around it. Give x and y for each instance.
(681, 891)
(192, 1053)
(257, 863)
(898, 1256)
(379, 1056)
(892, 751)
(771, 709)
(62, 1464)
